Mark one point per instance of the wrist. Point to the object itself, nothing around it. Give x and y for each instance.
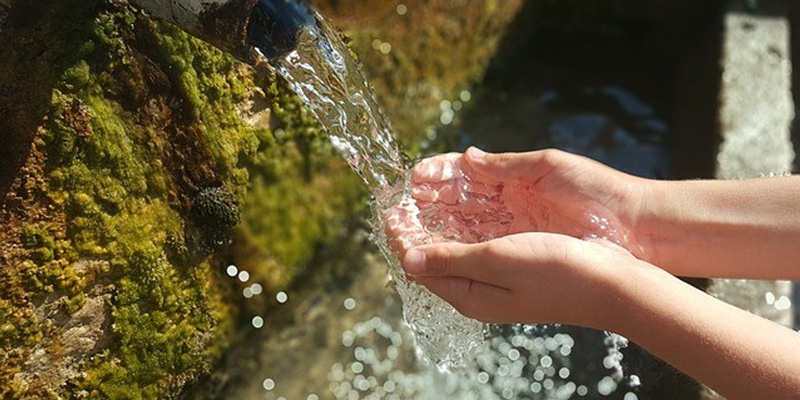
(635, 291)
(650, 227)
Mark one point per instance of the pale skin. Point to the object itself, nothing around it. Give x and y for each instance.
(542, 273)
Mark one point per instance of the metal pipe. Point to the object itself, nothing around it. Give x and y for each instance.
(236, 26)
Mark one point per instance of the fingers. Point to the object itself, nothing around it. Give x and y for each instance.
(477, 262)
(528, 166)
(437, 169)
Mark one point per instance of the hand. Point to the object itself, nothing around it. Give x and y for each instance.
(526, 278)
(541, 191)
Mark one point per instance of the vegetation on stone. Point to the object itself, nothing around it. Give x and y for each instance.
(127, 143)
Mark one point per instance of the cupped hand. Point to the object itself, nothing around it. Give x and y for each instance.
(540, 191)
(526, 278)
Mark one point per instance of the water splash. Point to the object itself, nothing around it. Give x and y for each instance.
(322, 72)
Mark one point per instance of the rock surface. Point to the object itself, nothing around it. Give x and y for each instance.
(115, 127)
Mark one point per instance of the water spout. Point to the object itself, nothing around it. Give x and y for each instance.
(236, 26)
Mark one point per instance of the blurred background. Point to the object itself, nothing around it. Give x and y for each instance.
(176, 225)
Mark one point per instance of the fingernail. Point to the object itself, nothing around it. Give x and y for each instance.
(476, 153)
(414, 263)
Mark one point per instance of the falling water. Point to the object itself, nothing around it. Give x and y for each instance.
(322, 72)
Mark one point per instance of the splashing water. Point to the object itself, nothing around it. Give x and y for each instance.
(322, 72)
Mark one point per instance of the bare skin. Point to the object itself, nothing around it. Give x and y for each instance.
(545, 274)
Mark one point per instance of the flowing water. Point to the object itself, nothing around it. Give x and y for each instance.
(323, 73)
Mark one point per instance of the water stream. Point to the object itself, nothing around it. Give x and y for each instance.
(323, 73)
(530, 361)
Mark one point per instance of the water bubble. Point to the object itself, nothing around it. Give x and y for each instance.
(630, 396)
(513, 354)
(447, 117)
(348, 337)
(268, 384)
(536, 387)
(282, 297)
(247, 292)
(359, 353)
(258, 322)
(376, 44)
(385, 48)
(349, 303)
(465, 96)
(256, 289)
(783, 303)
(606, 386)
(312, 396)
(388, 386)
(232, 270)
(546, 361)
(401, 9)
(582, 390)
(483, 377)
(770, 298)
(244, 276)
(357, 367)
(538, 374)
(392, 352)
(563, 373)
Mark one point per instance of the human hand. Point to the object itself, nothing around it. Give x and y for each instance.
(479, 196)
(526, 278)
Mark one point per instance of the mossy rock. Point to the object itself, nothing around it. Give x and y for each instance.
(137, 147)
(138, 163)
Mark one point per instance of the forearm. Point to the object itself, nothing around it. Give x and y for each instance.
(734, 352)
(732, 229)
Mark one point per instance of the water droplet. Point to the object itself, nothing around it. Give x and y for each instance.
(465, 96)
(385, 48)
(282, 297)
(630, 396)
(256, 289)
(258, 322)
(349, 303)
(401, 9)
(783, 303)
(244, 276)
(268, 384)
(232, 270)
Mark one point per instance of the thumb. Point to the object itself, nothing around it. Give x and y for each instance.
(470, 261)
(529, 166)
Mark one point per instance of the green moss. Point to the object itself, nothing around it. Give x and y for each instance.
(120, 187)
